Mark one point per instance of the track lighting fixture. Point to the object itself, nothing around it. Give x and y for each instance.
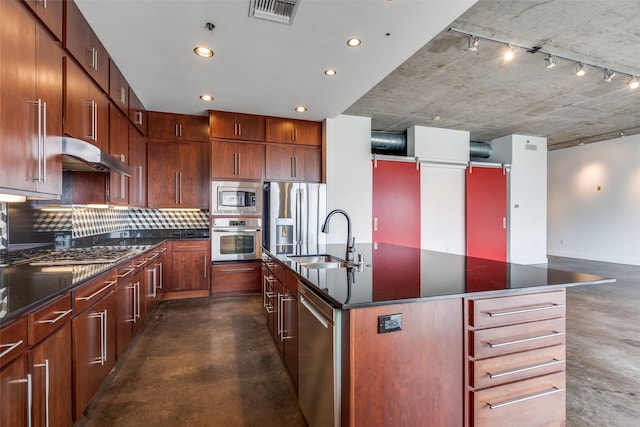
(508, 54)
(608, 75)
(633, 83)
(580, 70)
(473, 43)
(549, 61)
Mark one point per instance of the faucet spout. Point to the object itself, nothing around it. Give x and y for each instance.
(351, 241)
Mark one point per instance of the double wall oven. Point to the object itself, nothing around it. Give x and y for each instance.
(236, 225)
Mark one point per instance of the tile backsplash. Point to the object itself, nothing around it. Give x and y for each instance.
(4, 231)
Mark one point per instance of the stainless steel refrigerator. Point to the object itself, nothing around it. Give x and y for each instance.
(293, 216)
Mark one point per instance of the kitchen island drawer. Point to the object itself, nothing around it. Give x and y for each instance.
(275, 268)
(509, 310)
(87, 294)
(515, 338)
(13, 340)
(514, 367)
(47, 319)
(535, 402)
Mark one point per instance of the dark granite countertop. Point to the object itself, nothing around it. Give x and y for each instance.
(24, 287)
(395, 274)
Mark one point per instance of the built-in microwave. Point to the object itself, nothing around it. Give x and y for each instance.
(236, 198)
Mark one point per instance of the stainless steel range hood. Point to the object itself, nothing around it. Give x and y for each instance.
(79, 155)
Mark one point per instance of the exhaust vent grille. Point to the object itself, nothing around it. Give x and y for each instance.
(274, 10)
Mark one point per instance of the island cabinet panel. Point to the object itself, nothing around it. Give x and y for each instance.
(293, 131)
(227, 125)
(413, 376)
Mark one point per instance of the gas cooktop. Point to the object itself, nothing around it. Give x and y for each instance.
(75, 256)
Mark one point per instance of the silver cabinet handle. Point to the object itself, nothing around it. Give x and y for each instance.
(123, 95)
(138, 313)
(152, 277)
(44, 135)
(61, 314)
(129, 270)
(176, 186)
(180, 187)
(139, 183)
(29, 382)
(104, 337)
(93, 136)
(204, 259)
(177, 133)
(528, 368)
(539, 337)
(45, 365)
(133, 305)
(285, 298)
(554, 390)
(38, 104)
(160, 284)
(279, 296)
(239, 129)
(108, 285)
(239, 160)
(11, 346)
(93, 52)
(525, 310)
(138, 118)
(231, 270)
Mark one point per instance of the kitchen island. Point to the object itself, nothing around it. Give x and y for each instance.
(429, 338)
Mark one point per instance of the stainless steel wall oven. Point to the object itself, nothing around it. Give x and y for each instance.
(234, 239)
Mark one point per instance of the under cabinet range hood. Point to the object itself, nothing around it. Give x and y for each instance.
(79, 155)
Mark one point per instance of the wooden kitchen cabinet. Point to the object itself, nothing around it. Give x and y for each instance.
(291, 131)
(85, 46)
(118, 148)
(50, 13)
(228, 125)
(118, 88)
(137, 113)
(289, 163)
(177, 175)
(190, 264)
(86, 111)
(177, 127)
(31, 94)
(238, 160)
(128, 307)
(138, 163)
(13, 373)
(236, 277)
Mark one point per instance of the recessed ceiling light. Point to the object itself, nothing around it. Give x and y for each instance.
(300, 109)
(354, 42)
(205, 52)
(206, 98)
(330, 72)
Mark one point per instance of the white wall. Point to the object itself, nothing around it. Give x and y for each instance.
(587, 222)
(348, 176)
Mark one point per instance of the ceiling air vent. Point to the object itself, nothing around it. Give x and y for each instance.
(274, 10)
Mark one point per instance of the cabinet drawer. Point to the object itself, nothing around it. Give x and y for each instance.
(49, 318)
(276, 269)
(511, 339)
(516, 309)
(197, 245)
(291, 282)
(514, 367)
(535, 402)
(13, 340)
(237, 277)
(88, 294)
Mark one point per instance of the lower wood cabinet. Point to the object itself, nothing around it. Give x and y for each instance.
(14, 388)
(236, 277)
(189, 265)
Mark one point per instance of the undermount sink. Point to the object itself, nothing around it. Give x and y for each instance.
(319, 261)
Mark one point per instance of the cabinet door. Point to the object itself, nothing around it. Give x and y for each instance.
(189, 271)
(279, 163)
(137, 113)
(293, 131)
(138, 163)
(50, 364)
(193, 176)
(50, 12)
(224, 160)
(486, 213)
(118, 88)
(125, 316)
(162, 175)
(14, 391)
(162, 125)
(194, 128)
(307, 133)
(118, 148)
(88, 355)
(247, 127)
(178, 127)
(309, 164)
(250, 161)
(290, 334)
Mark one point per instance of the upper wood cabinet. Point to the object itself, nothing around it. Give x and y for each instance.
(118, 148)
(294, 131)
(84, 45)
(137, 113)
(177, 127)
(31, 93)
(86, 112)
(138, 163)
(286, 163)
(239, 160)
(118, 88)
(247, 127)
(50, 12)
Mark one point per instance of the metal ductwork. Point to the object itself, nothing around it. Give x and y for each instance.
(480, 149)
(389, 143)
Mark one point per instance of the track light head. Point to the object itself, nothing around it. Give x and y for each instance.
(549, 61)
(508, 54)
(580, 70)
(473, 43)
(633, 83)
(608, 75)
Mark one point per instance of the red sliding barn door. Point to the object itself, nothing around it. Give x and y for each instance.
(486, 213)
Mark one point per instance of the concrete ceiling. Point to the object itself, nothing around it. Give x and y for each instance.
(446, 85)
(409, 70)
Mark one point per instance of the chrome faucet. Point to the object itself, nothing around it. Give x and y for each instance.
(351, 241)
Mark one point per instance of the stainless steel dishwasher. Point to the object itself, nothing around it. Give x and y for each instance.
(318, 359)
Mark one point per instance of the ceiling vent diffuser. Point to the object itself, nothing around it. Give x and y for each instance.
(275, 10)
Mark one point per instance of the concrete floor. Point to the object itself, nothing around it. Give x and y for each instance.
(213, 363)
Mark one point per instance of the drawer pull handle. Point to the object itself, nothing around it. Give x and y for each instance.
(52, 321)
(539, 337)
(524, 310)
(554, 390)
(528, 368)
(231, 270)
(109, 284)
(129, 270)
(11, 346)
